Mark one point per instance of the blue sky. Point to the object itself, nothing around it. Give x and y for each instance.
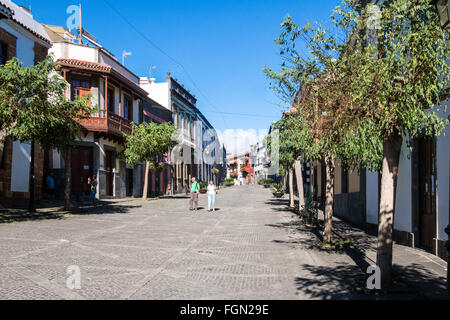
(223, 45)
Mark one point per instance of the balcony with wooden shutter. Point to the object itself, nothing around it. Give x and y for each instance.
(112, 124)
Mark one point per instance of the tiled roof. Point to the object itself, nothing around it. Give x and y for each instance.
(25, 20)
(86, 65)
(95, 66)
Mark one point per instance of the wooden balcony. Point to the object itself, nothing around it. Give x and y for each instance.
(245, 169)
(112, 124)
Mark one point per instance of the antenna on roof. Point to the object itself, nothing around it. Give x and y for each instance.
(124, 54)
(151, 70)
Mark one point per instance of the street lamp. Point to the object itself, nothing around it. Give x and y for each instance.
(443, 9)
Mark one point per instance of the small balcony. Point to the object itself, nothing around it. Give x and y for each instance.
(112, 124)
(245, 169)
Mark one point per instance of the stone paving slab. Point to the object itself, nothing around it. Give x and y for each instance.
(251, 248)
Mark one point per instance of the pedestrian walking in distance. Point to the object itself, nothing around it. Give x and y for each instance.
(195, 189)
(212, 191)
(93, 185)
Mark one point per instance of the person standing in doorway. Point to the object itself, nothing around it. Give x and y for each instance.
(195, 189)
(51, 187)
(93, 185)
(212, 191)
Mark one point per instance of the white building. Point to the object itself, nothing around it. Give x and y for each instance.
(23, 37)
(115, 90)
(258, 153)
(422, 199)
(199, 146)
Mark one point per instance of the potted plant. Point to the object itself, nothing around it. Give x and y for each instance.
(229, 182)
(268, 183)
(278, 192)
(160, 166)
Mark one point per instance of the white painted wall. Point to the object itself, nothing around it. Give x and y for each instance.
(20, 151)
(158, 92)
(20, 167)
(74, 51)
(403, 206)
(56, 159)
(443, 178)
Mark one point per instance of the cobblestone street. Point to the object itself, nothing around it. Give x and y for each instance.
(161, 250)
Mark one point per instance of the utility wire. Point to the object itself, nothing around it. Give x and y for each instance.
(249, 115)
(164, 53)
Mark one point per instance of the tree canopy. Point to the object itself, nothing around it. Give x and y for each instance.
(33, 106)
(148, 141)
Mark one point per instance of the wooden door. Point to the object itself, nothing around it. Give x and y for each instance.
(129, 184)
(82, 162)
(427, 193)
(109, 172)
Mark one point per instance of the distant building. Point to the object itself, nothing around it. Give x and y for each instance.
(239, 167)
(259, 161)
(198, 151)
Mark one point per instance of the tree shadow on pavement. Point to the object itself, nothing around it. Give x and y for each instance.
(8, 217)
(277, 202)
(350, 283)
(281, 205)
(175, 197)
(104, 209)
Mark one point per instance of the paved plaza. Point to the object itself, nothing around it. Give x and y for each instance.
(251, 248)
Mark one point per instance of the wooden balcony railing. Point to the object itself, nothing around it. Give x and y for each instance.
(245, 169)
(112, 124)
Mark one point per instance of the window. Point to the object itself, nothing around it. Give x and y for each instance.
(3, 53)
(111, 100)
(80, 89)
(127, 108)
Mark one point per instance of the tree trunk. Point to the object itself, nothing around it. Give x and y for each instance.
(291, 187)
(299, 178)
(391, 155)
(285, 177)
(67, 177)
(145, 191)
(329, 199)
(31, 181)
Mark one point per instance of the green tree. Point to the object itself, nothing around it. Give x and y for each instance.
(33, 108)
(404, 71)
(293, 142)
(148, 141)
(317, 84)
